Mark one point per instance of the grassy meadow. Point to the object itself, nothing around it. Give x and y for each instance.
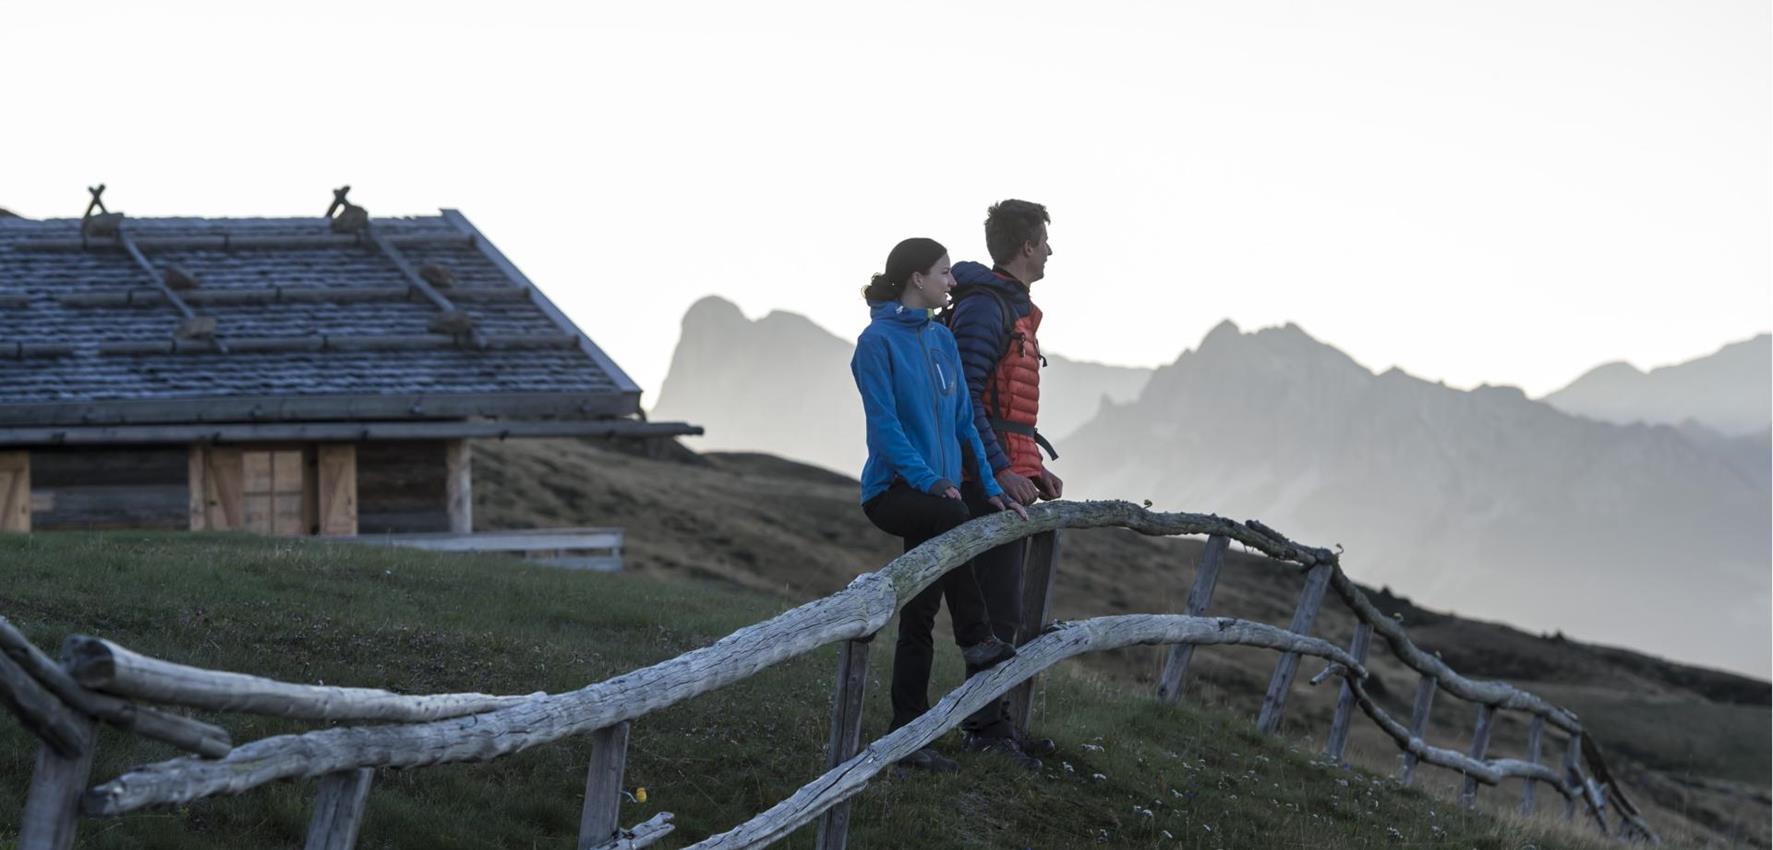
(1130, 773)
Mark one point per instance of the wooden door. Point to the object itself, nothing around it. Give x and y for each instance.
(15, 491)
(274, 491)
(337, 469)
(216, 498)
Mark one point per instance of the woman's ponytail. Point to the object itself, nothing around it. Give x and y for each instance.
(909, 257)
(882, 288)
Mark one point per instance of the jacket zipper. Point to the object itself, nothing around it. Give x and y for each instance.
(935, 399)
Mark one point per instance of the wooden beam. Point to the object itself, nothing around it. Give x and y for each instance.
(336, 465)
(186, 733)
(142, 296)
(459, 485)
(1425, 688)
(1206, 577)
(1040, 571)
(159, 280)
(40, 712)
(230, 240)
(1572, 767)
(105, 666)
(1338, 742)
(418, 282)
(390, 342)
(600, 820)
(301, 432)
(846, 736)
(52, 805)
(339, 804)
(1274, 702)
(290, 408)
(1535, 731)
(1480, 745)
(197, 486)
(15, 491)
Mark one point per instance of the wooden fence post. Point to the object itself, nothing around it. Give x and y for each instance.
(846, 736)
(338, 809)
(1425, 688)
(1363, 636)
(1206, 577)
(1480, 744)
(1274, 703)
(1535, 731)
(598, 821)
(1040, 569)
(1572, 759)
(52, 805)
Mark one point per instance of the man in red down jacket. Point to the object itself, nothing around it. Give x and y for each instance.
(996, 326)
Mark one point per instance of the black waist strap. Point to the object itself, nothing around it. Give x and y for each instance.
(1007, 427)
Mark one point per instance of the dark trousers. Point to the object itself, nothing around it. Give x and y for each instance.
(999, 573)
(917, 517)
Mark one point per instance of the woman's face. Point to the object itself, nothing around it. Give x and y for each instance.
(930, 287)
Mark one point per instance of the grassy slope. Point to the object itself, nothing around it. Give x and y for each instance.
(409, 621)
(1693, 745)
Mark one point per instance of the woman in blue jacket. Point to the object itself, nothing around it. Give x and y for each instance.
(920, 423)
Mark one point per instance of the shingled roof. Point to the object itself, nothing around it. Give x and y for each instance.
(179, 321)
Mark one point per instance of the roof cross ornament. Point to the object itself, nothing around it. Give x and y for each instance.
(106, 222)
(350, 217)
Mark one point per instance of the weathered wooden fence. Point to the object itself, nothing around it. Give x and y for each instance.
(99, 681)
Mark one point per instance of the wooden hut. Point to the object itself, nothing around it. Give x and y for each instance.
(279, 375)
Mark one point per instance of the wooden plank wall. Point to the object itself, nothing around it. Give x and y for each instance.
(402, 487)
(109, 488)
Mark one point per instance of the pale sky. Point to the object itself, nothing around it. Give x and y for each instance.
(1477, 192)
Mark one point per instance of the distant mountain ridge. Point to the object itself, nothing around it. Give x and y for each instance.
(1729, 391)
(1485, 501)
(782, 385)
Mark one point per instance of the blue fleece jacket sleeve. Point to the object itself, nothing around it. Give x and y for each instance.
(969, 437)
(872, 367)
(979, 333)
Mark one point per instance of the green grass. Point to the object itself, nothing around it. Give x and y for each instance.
(1130, 773)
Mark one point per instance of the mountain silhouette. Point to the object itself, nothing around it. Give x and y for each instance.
(1729, 391)
(1484, 501)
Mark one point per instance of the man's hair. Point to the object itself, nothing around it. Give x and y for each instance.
(1011, 224)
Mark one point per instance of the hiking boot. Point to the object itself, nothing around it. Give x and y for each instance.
(930, 760)
(989, 652)
(1005, 746)
(1033, 746)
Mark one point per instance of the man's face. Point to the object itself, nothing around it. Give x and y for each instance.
(1037, 252)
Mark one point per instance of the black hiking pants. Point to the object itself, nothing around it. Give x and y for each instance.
(999, 573)
(917, 517)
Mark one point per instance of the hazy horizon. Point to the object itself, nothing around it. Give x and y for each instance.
(1510, 193)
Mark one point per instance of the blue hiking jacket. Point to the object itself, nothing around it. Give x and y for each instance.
(920, 416)
(980, 334)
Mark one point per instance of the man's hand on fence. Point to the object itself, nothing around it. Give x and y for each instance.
(1018, 488)
(1049, 485)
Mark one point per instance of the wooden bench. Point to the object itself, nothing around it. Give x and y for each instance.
(597, 549)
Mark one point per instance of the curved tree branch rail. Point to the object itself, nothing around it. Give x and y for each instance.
(59, 704)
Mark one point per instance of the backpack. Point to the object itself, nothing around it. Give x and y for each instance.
(995, 405)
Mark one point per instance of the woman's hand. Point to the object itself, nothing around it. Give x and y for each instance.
(1004, 504)
(951, 493)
